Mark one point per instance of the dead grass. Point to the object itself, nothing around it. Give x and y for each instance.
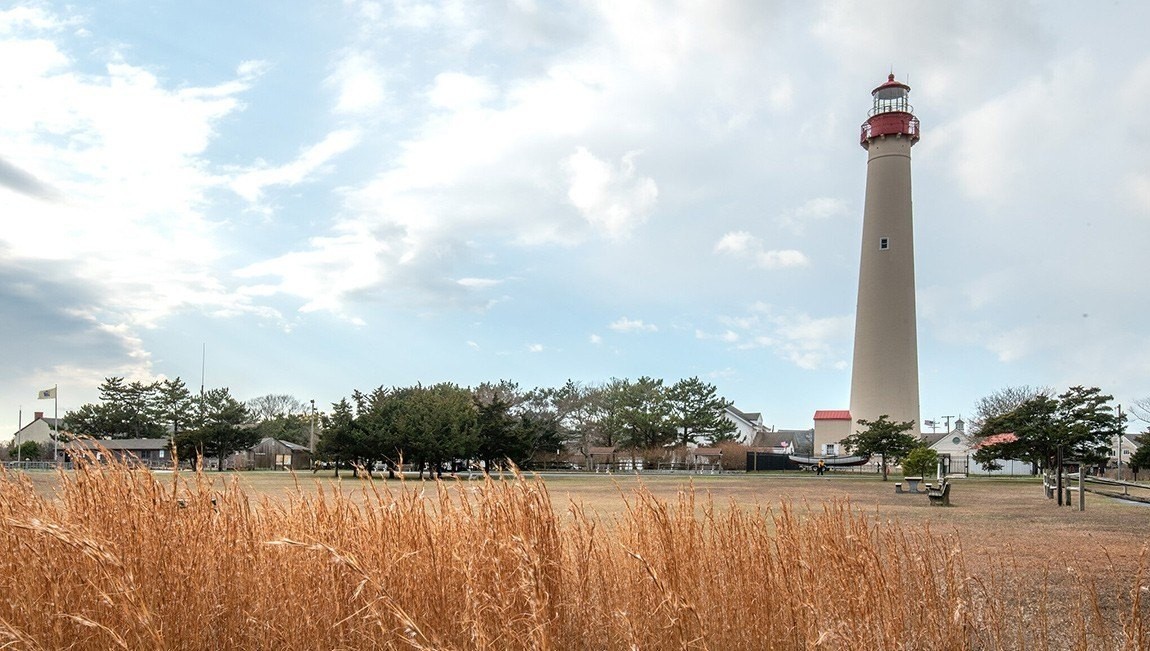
(127, 559)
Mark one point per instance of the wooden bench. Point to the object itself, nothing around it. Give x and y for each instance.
(939, 496)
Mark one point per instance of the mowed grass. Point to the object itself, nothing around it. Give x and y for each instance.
(110, 557)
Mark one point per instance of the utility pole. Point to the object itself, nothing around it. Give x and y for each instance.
(311, 438)
(1119, 443)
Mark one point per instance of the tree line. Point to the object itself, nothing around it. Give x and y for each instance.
(433, 426)
(1081, 423)
(444, 425)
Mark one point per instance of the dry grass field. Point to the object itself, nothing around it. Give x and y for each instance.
(110, 557)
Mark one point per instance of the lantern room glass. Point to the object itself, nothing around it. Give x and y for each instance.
(893, 98)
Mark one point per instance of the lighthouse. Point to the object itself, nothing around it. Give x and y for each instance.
(884, 375)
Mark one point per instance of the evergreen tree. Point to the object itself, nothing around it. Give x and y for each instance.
(221, 429)
(888, 439)
(697, 410)
(1080, 421)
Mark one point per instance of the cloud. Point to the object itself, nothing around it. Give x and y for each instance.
(595, 339)
(743, 245)
(624, 324)
(358, 83)
(251, 184)
(813, 210)
(455, 91)
(20, 181)
(810, 343)
(122, 153)
(611, 199)
(535, 348)
(32, 18)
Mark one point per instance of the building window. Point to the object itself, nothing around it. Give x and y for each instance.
(883, 243)
(956, 440)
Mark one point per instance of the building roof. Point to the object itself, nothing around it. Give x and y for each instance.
(752, 417)
(996, 439)
(52, 423)
(291, 447)
(833, 414)
(930, 438)
(780, 439)
(119, 444)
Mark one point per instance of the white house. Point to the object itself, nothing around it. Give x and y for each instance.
(41, 430)
(1128, 445)
(747, 424)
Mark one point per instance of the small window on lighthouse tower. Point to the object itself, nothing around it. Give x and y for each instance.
(883, 243)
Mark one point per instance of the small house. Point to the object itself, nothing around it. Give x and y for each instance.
(277, 454)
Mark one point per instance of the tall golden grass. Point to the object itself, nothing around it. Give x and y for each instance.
(127, 559)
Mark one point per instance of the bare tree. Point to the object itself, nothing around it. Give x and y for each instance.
(1004, 401)
(274, 405)
(1140, 409)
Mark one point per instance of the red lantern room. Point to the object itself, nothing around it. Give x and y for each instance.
(892, 114)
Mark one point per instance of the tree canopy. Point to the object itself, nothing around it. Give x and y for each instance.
(889, 439)
(1080, 421)
(221, 428)
(433, 426)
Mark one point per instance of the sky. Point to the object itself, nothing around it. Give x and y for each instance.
(310, 198)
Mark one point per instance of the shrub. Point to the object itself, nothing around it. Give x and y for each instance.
(920, 462)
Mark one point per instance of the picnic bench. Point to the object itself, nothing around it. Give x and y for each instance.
(911, 485)
(939, 496)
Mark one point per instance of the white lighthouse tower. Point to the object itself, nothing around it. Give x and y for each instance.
(884, 377)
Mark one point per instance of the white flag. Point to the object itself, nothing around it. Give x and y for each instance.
(47, 394)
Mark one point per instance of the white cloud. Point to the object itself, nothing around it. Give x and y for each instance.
(727, 336)
(478, 283)
(1039, 117)
(624, 324)
(535, 348)
(743, 245)
(807, 342)
(251, 184)
(813, 210)
(456, 91)
(359, 84)
(123, 150)
(595, 339)
(32, 18)
(611, 199)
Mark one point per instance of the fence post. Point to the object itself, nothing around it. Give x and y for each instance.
(1081, 488)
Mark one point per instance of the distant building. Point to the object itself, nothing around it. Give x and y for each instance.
(831, 427)
(785, 441)
(276, 454)
(42, 431)
(150, 452)
(747, 424)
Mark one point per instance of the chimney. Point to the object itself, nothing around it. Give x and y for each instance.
(39, 415)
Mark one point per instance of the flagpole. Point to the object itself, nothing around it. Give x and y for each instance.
(56, 422)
